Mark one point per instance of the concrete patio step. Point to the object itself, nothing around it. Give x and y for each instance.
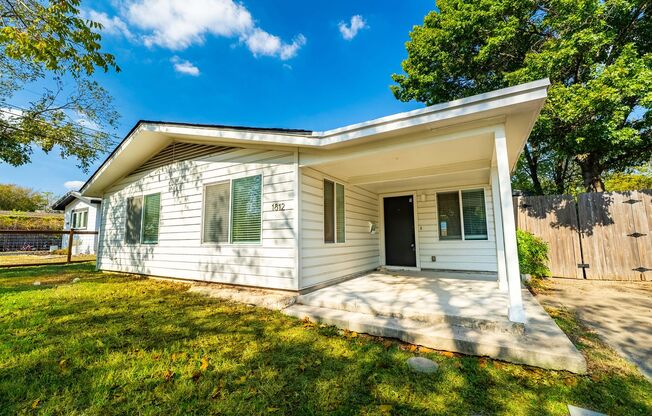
(553, 352)
(440, 315)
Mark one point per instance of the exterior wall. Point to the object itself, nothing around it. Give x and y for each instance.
(478, 255)
(82, 244)
(321, 262)
(179, 252)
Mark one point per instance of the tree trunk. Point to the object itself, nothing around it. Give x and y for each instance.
(533, 168)
(591, 174)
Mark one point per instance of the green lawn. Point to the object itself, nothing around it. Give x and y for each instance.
(116, 344)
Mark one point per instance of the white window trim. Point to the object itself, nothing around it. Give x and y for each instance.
(72, 218)
(230, 231)
(203, 215)
(459, 193)
(335, 242)
(142, 219)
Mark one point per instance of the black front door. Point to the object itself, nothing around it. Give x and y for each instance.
(400, 249)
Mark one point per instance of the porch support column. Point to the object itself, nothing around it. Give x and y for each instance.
(516, 312)
(498, 227)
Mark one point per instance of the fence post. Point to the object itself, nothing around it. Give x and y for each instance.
(72, 232)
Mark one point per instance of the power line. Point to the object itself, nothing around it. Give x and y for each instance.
(55, 140)
(111, 142)
(81, 126)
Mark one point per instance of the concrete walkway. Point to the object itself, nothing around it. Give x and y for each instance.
(452, 314)
(620, 312)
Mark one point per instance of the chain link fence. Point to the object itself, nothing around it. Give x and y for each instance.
(38, 247)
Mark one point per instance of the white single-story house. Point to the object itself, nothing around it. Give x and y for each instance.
(298, 210)
(80, 213)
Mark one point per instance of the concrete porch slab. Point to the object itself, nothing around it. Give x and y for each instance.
(469, 317)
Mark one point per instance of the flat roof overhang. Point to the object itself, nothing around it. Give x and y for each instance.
(515, 107)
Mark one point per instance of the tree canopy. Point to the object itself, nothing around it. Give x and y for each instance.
(48, 46)
(18, 198)
(597, 54)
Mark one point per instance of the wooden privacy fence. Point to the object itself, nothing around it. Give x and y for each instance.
(603, 235)
(36, 244)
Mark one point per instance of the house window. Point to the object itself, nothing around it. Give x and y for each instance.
(334, 212)
(79, 219)
(143, 214)
(151, 216)
(462, 215)
(134, 217)
(217, 201)
(246, 209)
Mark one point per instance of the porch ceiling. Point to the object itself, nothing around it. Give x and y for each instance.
(458, 162)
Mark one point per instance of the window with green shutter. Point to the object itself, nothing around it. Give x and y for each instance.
(134, 217)
(474, 214)
(334, 212)
(339, 206)
(217, 201)
(246, 209)
(151, 215)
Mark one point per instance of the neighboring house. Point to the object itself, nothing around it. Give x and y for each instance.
(297, 209)
(80, 213)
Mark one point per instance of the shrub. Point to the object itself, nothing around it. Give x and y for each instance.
(532, 254)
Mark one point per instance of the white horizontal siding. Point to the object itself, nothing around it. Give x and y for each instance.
(179, 252)
(82, 244)
(476, 255)
(321, 262)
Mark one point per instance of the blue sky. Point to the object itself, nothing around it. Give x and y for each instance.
(295, 64)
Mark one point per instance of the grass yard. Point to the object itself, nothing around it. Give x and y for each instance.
(10, 259)
(116, 344)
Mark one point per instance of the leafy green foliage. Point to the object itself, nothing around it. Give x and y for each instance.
(47, 45)
(119, 344)
(18, 198)
(532, 254)
(630, 180)
(598, 55)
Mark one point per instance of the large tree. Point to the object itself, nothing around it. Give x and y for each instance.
(597, 53)
(18, 198)
(47, 49)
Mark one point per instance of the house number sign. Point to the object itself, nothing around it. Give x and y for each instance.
(278, 206)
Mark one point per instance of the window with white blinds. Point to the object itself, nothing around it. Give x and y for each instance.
(462, 215)
(475, 217)
(246, 209)
(334, 212)
(217, 204)
(151, 216)
(134, 217)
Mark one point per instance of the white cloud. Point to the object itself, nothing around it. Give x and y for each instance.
(177, 25)
(73, 185)
(260, 42)
(350, 31)
(111, 25)
(184, 67)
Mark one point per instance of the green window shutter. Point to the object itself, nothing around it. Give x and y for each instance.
(448, 212)
(216, 213)
(329, 211)
(84, 219)
(475, 216)
(341, 218)
(246, 209)
(151, 215)
(134, 217)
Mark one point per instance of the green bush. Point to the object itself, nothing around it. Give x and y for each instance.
(532, 254)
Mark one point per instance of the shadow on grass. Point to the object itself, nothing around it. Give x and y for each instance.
(115, 345)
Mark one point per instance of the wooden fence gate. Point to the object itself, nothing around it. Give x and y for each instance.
(599, 236)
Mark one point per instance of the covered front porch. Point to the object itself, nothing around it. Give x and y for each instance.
(452, 311)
